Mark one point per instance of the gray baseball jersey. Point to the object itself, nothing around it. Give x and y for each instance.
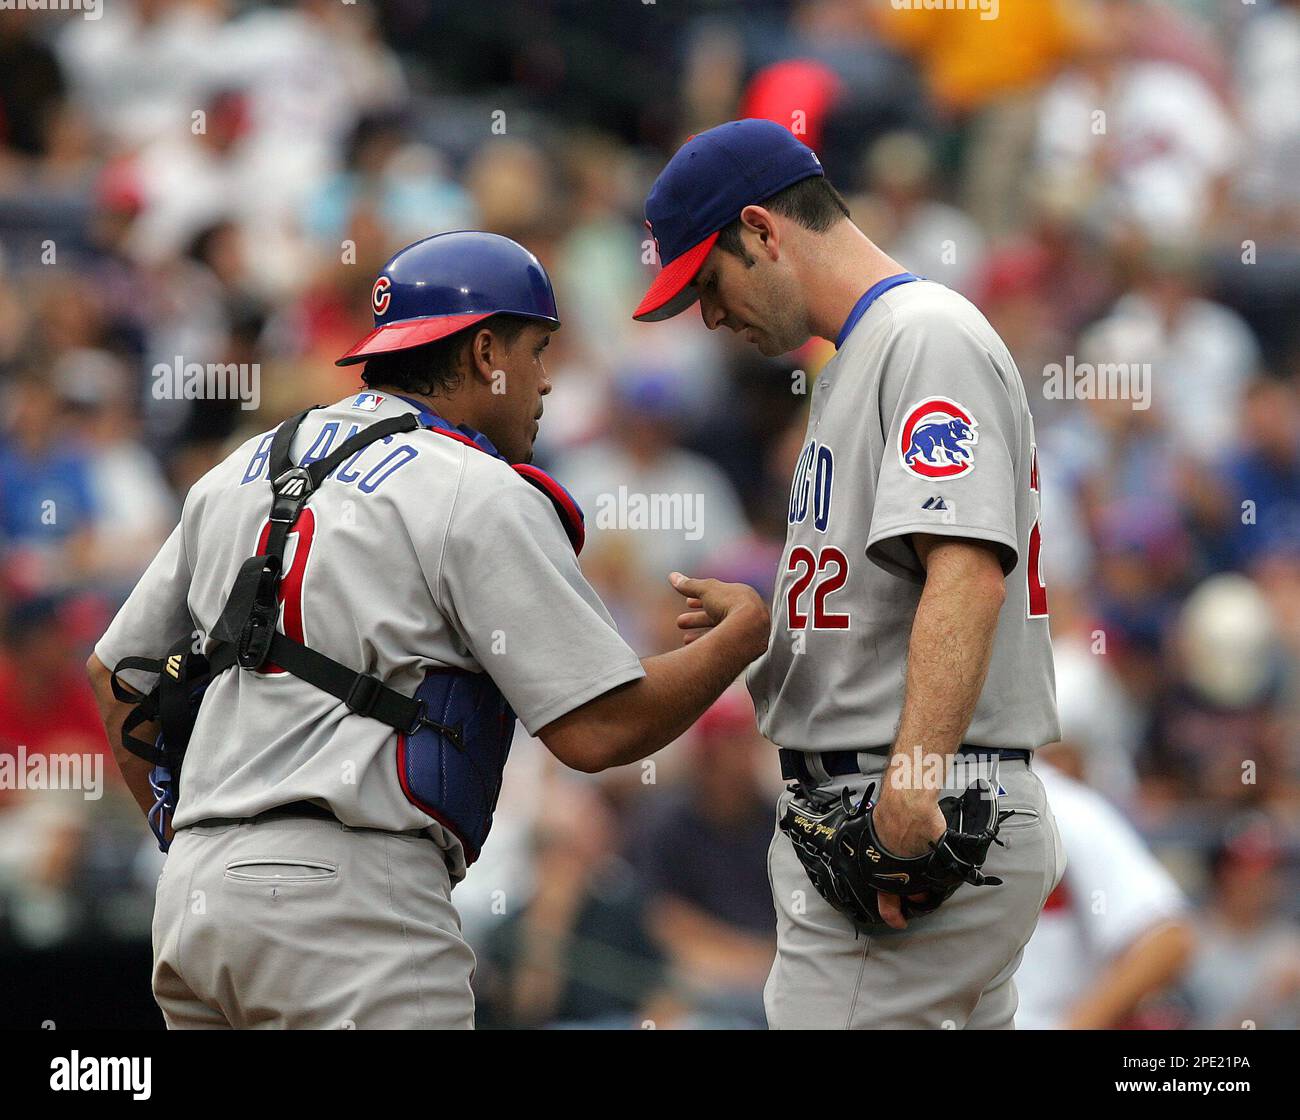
(918, 424)
(418, 552)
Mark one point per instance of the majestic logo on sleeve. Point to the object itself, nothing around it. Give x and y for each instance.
(937, 439)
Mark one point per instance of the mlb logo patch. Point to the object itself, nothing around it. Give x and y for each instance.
(368, 402)
(937, 439)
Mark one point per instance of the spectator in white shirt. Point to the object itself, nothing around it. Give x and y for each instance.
(1115, 929)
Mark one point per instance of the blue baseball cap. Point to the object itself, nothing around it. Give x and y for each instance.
(705, 186)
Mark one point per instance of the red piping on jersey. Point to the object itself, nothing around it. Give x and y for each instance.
(573, 523)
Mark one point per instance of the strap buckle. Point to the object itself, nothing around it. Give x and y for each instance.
(454, 735)
(291, 488)
(363, 694)
(421, 717)
(258, 630)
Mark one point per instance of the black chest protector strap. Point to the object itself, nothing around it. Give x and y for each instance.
(245, 634)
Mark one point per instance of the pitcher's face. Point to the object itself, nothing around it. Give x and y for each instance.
(760, 300)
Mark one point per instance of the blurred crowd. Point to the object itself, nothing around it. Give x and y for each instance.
(1115, 183)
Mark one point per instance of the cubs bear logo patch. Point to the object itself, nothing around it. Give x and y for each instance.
(937, 439)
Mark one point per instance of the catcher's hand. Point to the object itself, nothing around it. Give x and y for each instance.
(838, 845)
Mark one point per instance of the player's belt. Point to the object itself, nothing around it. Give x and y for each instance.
(814, 767)
(293, 809)
(299, 809)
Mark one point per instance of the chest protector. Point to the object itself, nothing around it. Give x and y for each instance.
(453, 735)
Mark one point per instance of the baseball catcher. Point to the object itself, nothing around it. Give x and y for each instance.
(338, 641)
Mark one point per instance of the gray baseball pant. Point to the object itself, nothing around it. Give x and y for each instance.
(950, 969)
(295, 922)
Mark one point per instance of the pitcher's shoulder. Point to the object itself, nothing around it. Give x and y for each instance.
(928, 317)
(928, 305)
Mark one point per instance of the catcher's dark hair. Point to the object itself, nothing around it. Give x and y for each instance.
(435, 367)
(813, 202)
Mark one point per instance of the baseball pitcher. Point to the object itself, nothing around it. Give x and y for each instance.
(908, 676)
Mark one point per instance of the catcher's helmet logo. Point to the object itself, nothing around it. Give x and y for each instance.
(937, 439)
(380, 296)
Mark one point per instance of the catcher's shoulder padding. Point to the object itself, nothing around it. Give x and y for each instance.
(837, 844)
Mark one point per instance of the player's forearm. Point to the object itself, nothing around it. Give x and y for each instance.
(113, 713)
(629, 723)
(681, 685)
(1155, 961)
(948, 658)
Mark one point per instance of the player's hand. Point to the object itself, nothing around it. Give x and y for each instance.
(710, 601)
(906, 823)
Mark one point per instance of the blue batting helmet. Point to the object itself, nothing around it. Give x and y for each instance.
(448, 282)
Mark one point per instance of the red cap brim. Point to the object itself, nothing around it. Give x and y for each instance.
(673, 291)
(404, 335)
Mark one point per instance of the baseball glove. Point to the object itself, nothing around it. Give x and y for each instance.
(837, 844)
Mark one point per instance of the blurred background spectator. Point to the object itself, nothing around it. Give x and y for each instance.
(1114, 182)
(579, 953)
(702, 853)
(1247, 974)
(1114, 937)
